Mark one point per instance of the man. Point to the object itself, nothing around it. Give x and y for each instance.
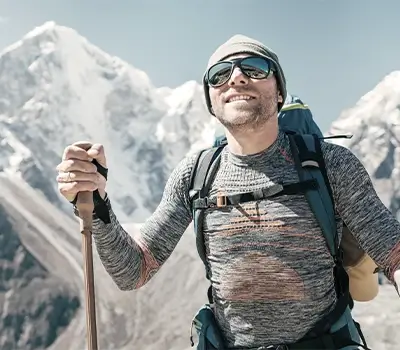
(271, 270)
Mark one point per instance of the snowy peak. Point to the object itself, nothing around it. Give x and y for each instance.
(73, 53)
(374, 123)
(45, 28)
(57, 88)
(388, 90)
(375, 118)
(379, 107)
(179, 98)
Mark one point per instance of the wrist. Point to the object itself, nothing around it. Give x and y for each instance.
(102, 207)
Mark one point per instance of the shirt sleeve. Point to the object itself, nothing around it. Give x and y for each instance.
(372, 224)
(133, 260)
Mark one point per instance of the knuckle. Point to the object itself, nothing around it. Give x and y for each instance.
(76, 186)
(88, 168)
(70, 163)
(69, 148)
(63, 166)
(67, 152)
(60, 168)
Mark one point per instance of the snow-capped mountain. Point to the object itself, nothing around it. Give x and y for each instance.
(57, 88)
(374, 123)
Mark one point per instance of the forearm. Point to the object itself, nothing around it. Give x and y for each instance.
(133, 260)
(373, 225)
(377, 230)
(120, 253)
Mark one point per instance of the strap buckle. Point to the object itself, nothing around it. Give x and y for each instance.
(222, 200)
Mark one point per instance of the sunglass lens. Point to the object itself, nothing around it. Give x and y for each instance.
(256, 67)
(219, 74)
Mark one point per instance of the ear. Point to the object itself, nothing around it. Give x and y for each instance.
(280, 98)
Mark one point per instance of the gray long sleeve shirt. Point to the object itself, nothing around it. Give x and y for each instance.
(271, 269)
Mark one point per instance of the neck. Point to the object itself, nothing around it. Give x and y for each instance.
(253, 140)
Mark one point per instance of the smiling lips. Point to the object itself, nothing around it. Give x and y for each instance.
(239, 98)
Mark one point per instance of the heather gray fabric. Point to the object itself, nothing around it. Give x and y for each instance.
(242, 44)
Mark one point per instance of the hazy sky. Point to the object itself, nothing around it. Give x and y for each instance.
(332, 52)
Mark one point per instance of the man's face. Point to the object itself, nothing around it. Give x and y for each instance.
(245, 102)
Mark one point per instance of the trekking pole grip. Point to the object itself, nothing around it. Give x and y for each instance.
(85, 208)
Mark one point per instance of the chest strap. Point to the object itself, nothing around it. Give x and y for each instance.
(222, 200)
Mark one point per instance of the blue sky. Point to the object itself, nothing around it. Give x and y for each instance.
(332, 52)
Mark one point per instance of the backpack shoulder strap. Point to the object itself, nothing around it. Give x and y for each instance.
(310, 164)
(201, 179)
(202, 176)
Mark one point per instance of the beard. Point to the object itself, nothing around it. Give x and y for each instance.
(248, 114)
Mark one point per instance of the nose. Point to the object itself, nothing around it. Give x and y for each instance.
(238, 78)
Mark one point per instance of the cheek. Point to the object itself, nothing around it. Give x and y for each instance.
(214, 97)
(266, 87)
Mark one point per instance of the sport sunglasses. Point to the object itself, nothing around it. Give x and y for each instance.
(252, 67)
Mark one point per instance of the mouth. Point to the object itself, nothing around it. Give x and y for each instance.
(235, 98)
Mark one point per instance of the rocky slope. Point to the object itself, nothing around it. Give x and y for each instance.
(42, 285)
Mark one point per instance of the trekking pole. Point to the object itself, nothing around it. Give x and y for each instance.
(85, 207)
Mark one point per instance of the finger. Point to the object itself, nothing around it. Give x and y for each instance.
(97, 152)
(85, 145)
(70, 197)
(75, 152)
(70, 189)
(72, 165)
(78, 176)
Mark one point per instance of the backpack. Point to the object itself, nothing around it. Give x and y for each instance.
(337, 330)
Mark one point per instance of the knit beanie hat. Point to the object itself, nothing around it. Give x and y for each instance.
(242, 44)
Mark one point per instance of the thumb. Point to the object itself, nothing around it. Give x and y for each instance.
(97, 152)
(83, 144)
